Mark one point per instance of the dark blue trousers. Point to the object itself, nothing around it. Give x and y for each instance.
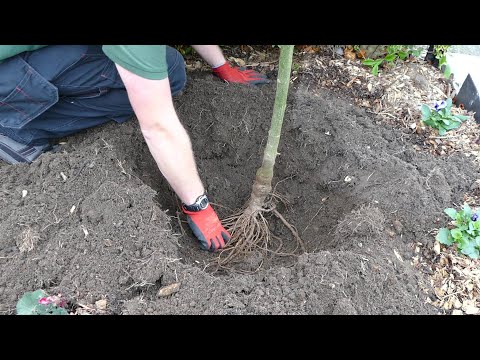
(61, 89)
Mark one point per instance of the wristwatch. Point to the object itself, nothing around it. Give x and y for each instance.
(200, 204)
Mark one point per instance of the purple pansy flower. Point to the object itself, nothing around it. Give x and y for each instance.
(475, 217)
(439, 105)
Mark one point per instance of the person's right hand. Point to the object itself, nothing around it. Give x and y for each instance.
(207, 227)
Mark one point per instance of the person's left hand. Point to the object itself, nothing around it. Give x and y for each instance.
(240, 75)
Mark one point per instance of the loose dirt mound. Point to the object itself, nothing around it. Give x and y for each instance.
(99, 221)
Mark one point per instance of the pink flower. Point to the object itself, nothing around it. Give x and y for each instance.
(44, 301)
(55, 300)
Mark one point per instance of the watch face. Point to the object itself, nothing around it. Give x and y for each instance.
(203, 202)
(200, 204)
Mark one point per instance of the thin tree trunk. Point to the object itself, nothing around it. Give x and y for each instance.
(263, 180)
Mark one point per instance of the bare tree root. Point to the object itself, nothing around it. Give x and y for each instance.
(292, 229)
(250, 232)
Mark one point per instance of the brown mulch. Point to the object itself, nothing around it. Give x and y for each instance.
(454, 278)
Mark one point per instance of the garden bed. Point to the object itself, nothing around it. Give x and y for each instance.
(98, 221)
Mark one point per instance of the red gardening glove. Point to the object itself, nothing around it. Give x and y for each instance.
(207, 227)
(235, 74)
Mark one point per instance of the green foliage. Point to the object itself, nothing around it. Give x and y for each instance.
(466, 233)
(394, 52)
(441, 118)
(39, 303)
(185, 50)
(440, 52)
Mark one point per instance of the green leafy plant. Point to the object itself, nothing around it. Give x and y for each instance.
(466, 233)
(295, 67)
(185, 50)
(393, 53)
(39, 303)
(440, 52)
(441, 117)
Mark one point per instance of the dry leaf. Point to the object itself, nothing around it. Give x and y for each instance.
(457, 312)
(311, 49)
(436, 248)
(349, 54)
(238, 61)
(390, 232)
(362, 54)
(397, 255)
(457, 304)
(468, 304)
(169, 290)
(101, 304)
(444, 287)
(439, 292)
(471, 310)
(443, 261)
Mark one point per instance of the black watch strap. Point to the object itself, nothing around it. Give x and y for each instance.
(200, 204)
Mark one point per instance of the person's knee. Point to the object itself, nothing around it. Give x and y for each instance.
(177, 73)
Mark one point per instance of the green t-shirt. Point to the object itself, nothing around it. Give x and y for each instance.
(147, 61)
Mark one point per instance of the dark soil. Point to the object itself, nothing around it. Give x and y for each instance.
(125, 238)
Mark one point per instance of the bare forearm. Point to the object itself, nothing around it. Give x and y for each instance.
(212, 54)
(166, 137)
(173, 154)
